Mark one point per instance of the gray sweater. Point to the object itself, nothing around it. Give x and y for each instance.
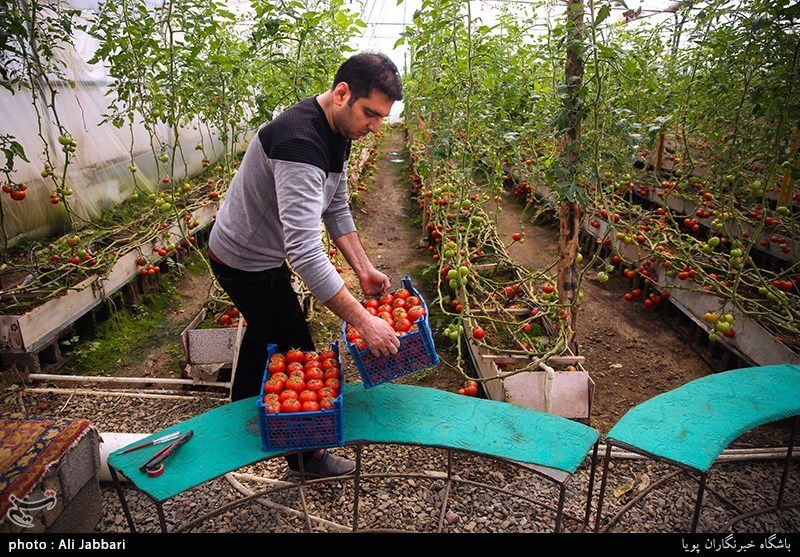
(292, 178)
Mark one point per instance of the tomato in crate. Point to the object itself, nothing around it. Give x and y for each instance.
(283, 423)
(406, 310)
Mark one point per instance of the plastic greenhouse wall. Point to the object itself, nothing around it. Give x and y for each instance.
(98, 172)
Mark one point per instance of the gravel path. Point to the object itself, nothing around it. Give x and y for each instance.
(406, 485)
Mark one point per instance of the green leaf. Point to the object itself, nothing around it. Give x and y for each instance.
(602, 14)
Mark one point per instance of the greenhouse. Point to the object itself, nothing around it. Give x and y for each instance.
(489, 266)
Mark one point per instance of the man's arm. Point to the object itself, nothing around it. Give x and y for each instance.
(377, 333)
(372, 281)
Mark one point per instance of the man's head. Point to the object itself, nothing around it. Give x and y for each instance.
(367, 72)
(364, 90)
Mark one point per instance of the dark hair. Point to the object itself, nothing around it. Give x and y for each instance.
(367, 71)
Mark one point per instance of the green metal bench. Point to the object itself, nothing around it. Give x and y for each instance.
(228, 438)
(692, 425)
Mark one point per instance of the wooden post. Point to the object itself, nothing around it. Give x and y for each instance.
(570, 211)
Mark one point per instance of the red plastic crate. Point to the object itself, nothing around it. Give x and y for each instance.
(416, 352)
(301, 430)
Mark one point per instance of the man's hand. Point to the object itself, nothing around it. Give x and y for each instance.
(374, 283)
(379, 336)
(377, 333)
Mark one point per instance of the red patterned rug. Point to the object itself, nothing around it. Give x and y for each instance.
(29, 445)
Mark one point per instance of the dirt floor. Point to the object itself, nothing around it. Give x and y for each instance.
(631, 354)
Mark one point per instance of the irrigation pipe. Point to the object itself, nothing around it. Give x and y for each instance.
(104, 379)
(132, 394)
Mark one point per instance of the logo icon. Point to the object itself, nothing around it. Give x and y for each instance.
(19, 515)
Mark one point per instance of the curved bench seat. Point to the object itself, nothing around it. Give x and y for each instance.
(694, 423)
(228, 437)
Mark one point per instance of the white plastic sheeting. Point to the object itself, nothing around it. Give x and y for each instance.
(98, 172)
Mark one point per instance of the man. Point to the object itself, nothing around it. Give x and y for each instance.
(292, 177)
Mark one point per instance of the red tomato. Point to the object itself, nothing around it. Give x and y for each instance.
(413, 301)
(334, 383)
(361, 344)
(274, 367)
(277, 357)
(548, 288)
(478, 333)
(273, 386)
(386, 298)
(372, 303)
(399, 313)
(325, 354)
(287, 393)
(334, 372)
(307, 394)
(310, 356)
(385, 315)
(279, 377)
(398, 302)
(271, 396)
(295, 355)
(311, 364)
(314, 373)
(328, 363)
(326, 392)
(272, 407)
(295, 383)
(415, 312)
(291, 405)
(310, 406)
(293, 367)
(326, 403)
(315, 384)
(402, 325)
(402, 293)
(352, 335)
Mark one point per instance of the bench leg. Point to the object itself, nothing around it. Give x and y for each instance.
(699, 502)
(603, 482)
(592, 469)
(788, 463)
(162, 521)
(356, 486)
(121, 495)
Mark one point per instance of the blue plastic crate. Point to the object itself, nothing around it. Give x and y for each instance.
(301, 430)
(416, 351)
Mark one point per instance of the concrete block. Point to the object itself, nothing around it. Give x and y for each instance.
(80, 464)
(81, 514)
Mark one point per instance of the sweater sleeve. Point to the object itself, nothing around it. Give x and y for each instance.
(299, 194)
(337, 217)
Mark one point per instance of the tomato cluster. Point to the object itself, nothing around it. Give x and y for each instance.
(16, 191)
(231, 318)
(401, 309)
(470, 388)
(302, 381)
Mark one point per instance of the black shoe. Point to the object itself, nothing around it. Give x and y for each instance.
(326, 466)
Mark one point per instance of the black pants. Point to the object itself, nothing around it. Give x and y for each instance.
(273, 314)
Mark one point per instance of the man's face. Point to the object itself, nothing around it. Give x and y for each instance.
(364, 116)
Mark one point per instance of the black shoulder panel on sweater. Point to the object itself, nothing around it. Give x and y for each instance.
(301, 134)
